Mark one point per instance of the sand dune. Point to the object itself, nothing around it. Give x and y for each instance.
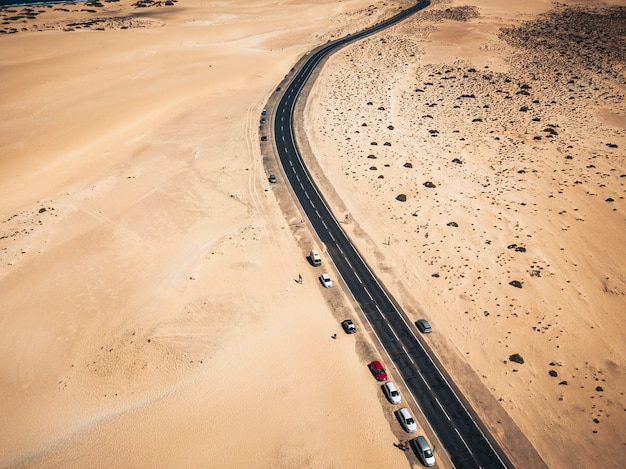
(149, 310)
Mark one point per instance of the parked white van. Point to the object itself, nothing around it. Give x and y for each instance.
(316, 260)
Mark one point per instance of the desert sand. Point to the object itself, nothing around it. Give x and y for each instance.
(149, 309)
(486, 143)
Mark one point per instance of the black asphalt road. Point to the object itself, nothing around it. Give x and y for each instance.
(459, 431)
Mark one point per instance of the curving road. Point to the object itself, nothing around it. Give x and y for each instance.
(456, 426)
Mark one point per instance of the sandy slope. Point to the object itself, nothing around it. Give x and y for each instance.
(149, 315)
(508, 146)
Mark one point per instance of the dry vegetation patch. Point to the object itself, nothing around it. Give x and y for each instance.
(515, 190)
(93, 15)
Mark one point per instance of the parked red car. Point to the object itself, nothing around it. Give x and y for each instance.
(378, 371)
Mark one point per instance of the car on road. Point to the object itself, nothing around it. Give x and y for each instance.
(424, 326)
(391, 392)
(378, 371)
(348, 326)
(406, 420)
(272, 178)
(326, 281)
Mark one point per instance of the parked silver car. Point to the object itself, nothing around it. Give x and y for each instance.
(424, 326)
(423, 451)
(348, 326)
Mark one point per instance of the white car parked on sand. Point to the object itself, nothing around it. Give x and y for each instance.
(326, 281)
(406, 420)
(391, 393)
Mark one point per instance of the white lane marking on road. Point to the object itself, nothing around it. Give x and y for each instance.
(359, 279)
(442, 409)
(423, 379)
(468, 448)
(392, 332)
